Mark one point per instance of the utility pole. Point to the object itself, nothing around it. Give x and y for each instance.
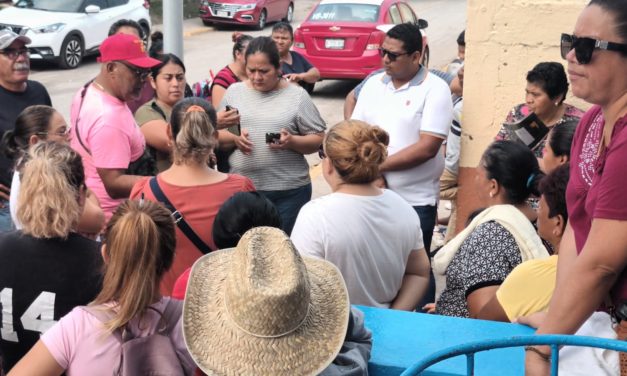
(173, 27)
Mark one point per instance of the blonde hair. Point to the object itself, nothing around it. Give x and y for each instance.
(140, 243)
(193, 131)
(48, 205)
(356, 149)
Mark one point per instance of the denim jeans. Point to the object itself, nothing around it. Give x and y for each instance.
(428, 215)
(6, 224)
(288, 203)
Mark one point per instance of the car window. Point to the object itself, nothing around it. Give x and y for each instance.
(115, 3)
(407, 13)
(101, 3)
(50, 5)
(393, 16)
(345, 12)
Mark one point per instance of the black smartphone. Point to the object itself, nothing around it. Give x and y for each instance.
(272, 138)
(239, 126)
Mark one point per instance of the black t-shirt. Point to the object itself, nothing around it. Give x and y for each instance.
(11, 104)
(41, 280)
(299, 65)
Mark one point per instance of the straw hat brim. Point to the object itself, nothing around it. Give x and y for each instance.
(219, 347)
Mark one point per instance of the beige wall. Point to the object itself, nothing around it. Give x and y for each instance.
(504, 40)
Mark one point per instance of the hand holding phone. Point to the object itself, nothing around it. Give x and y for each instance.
(239, 125)
(273, 138)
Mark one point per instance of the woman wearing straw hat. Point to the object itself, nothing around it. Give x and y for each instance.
(262, 309)
(372, 235)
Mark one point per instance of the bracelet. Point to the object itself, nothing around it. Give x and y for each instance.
(545, 357)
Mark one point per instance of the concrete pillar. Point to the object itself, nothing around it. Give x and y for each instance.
(173, 27)
(504, 40)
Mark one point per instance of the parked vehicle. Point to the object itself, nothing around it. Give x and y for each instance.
(256, 13)
(65, 31)
(342, 37)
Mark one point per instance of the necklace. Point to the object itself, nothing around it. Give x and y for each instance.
(96, 84)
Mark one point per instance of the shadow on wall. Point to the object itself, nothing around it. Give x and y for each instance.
(190, 10)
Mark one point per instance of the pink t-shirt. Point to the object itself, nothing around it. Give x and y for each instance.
(596, 188)
(78, 345)
(108, 129)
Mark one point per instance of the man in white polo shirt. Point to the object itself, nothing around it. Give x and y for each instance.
(414, 107)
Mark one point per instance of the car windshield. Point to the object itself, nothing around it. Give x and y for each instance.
(345, 12)
(51, 5)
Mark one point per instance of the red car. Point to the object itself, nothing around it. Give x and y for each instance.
(342, 37)
(256, 13)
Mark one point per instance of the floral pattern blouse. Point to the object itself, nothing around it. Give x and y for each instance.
(571, 114)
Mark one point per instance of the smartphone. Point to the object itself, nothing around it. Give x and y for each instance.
(239, 126)
(272, 138)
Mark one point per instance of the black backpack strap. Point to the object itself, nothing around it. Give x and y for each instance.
(178, 217)
(78, 115)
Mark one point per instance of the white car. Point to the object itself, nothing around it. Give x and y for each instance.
(66, 30)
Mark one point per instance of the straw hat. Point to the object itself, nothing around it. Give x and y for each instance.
(262, 309)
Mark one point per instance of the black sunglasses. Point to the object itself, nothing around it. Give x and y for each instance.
(140, 73)
(584, 47)
(391, 55)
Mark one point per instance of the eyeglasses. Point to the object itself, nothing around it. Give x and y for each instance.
(140, 73)
(13, 53)
(63, 131)
(391, 55)
(584, 47)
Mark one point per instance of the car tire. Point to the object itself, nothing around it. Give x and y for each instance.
(263, 18)
(71, 52)
(289, 16)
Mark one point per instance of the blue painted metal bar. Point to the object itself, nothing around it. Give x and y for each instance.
(555, 358)
(548, 340)
(470, 364)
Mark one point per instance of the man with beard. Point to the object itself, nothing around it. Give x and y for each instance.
(104, 131)
(16, 93)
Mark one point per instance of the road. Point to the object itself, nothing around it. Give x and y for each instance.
(209, 49)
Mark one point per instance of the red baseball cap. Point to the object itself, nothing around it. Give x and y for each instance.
(127, 48)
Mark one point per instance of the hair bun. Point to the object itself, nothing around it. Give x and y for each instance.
(235, 37)
(157, 36)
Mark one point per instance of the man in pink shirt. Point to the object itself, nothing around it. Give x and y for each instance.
(104, 131)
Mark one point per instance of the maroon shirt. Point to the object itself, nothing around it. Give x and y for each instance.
(596, 188)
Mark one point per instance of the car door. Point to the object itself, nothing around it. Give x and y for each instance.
(96, 28)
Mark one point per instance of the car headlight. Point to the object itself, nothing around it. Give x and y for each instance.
(204, 3)
(247, 6)
(49, 28)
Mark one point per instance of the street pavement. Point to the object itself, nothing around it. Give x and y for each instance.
(208, 49)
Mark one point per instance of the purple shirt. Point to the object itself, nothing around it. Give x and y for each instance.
(597, 181)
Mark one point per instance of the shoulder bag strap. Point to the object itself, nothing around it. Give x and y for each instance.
(78, 115)
(172, 313)
(158, 110)
(178, 217)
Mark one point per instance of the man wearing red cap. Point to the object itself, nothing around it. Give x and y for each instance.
(104, 131)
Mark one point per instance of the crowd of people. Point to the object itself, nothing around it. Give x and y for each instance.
(178, 233)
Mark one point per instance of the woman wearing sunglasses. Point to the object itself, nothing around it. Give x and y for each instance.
(546, 90)
(592, 251)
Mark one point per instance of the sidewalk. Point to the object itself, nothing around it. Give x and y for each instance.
(191, 27)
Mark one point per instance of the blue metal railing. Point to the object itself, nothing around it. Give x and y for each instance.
(469, 349)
